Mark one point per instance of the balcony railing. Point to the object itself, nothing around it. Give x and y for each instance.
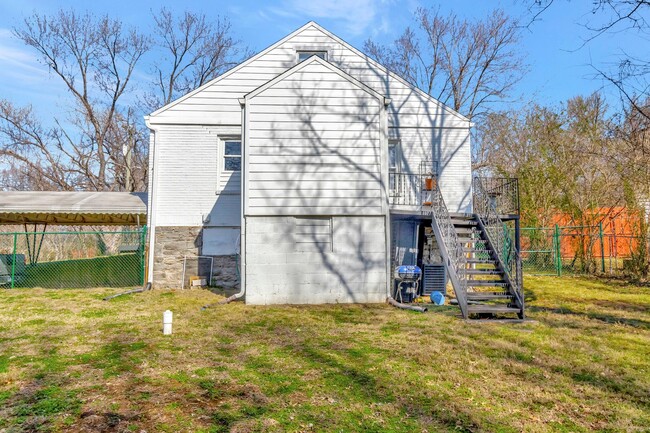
(502, 192)
(408, 189)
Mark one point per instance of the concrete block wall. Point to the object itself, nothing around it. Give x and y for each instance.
(284, 267)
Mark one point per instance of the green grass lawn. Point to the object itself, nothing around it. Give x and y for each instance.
(72, 362)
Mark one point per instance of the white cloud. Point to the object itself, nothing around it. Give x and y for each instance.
(24, 81)
(357, 17)
(18, 61)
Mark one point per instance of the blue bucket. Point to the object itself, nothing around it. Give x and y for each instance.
(437, 298)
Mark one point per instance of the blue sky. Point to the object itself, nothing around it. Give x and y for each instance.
(558, 67)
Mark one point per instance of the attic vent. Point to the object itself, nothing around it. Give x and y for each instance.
(304, 55)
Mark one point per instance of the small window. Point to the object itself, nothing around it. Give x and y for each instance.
(392, 156)
(304, 55)
(393, 165)
(232, 155)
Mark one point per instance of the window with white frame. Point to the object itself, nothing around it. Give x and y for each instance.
(304, 55)
(393, 164)
(232, 155)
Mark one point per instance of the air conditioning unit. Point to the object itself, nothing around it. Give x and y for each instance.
(434, 279)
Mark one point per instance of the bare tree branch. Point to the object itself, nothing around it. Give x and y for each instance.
(466, 65)
(196, 51)
(95, 59)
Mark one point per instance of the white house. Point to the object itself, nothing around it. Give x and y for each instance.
(307, 160)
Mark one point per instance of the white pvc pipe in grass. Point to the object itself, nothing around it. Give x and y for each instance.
(167, 322)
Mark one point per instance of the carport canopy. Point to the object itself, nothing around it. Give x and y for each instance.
(73, 207)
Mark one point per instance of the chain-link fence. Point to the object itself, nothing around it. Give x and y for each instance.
(539, 251)
(72, 259)
(582, 250)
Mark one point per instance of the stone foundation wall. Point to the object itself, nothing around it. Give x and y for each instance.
(172, 244)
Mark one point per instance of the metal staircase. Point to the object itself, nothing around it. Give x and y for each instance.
(482, 261)
(453, 254)
(489, 291)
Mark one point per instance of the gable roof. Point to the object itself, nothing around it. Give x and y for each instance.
(315, 25)
(302, 65)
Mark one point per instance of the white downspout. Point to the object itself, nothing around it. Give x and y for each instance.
(242, 227)
(153, 181)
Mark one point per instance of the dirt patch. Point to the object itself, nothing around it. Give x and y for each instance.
(92, 421)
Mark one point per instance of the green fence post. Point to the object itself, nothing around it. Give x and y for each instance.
(558, 251)
(602, 246)
(143, 238)
(13, 261)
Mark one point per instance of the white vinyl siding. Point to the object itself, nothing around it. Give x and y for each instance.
(307, 158)
(217, 103)
(411, 114)
(189, 177)
(450, 150)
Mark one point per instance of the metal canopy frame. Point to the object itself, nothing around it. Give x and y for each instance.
(33, 252)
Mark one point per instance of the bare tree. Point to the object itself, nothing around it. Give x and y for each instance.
(567, 159)
(195, 50)
(466, 65)
(630, 74)
(95, 59)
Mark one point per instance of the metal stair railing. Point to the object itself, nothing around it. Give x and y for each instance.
(497, 234)
(503, 192)
(450, 247)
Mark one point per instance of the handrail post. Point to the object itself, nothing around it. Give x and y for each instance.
(602, 246)
(558, 251)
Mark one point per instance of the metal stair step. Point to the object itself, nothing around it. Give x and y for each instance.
(481, 261)
(488, 296)
(462, 230)
(470, 240)
(486, 283)
(492, 278)
(477, 250)
(463, 223)
(462, 215)
(484, 272)
(495, 309)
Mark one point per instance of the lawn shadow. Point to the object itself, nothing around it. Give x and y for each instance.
(602, 317)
